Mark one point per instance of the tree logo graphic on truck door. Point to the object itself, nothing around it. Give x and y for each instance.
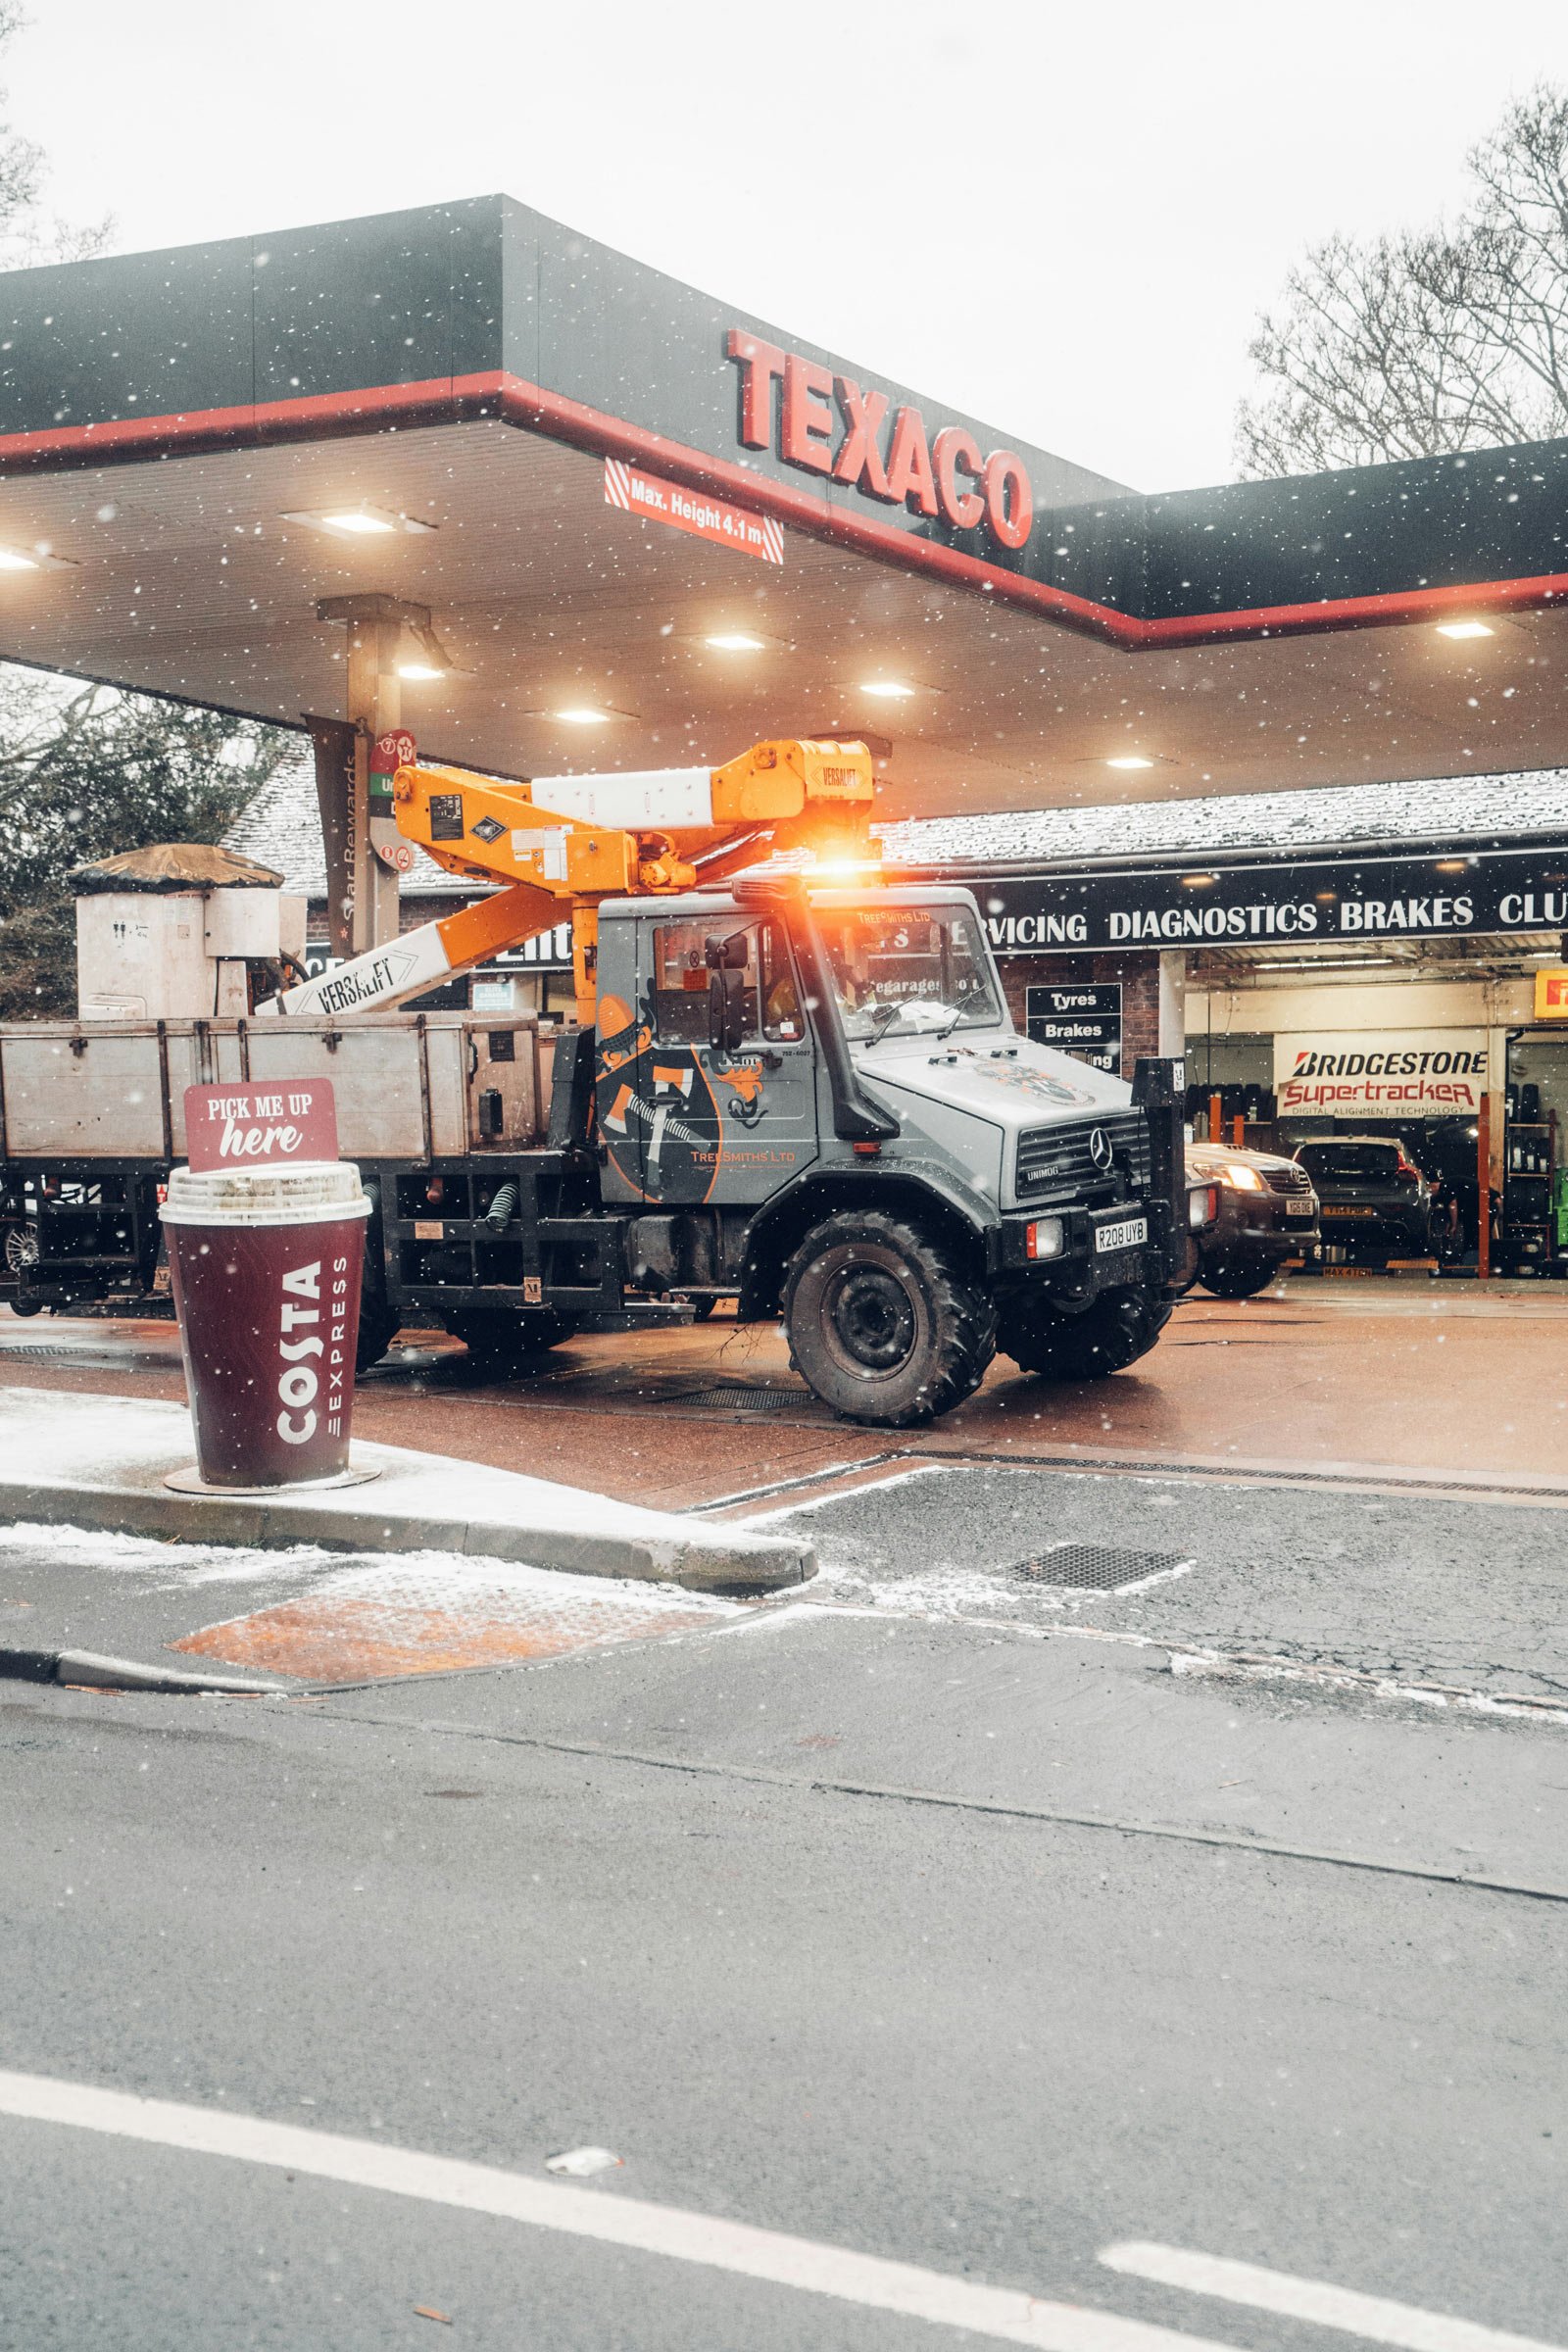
(657, 1117)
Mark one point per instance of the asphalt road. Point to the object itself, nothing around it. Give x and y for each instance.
(1417, 1587)
(642, 1900)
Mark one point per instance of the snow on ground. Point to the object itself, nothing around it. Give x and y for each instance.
(174, 1565)
(448, 1577)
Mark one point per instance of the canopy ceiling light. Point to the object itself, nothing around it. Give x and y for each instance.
(1325, 963)
(426, 657)
(887, 690)
(1464, 628)
(358, 523)
(37, 558)
(1130, 760)
(735, 640)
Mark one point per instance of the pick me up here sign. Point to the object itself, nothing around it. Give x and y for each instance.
(260, 1126)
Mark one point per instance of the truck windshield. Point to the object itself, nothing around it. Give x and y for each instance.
(902, 969)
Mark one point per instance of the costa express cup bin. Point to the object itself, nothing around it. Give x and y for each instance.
(265, 1267)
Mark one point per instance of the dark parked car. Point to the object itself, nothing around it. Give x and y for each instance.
(1375, 1201)
(1267, 1213)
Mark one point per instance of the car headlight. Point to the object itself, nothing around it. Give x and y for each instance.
(1242, 1178)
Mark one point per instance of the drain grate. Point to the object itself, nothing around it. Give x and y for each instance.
(745, 1401)
(1097, 1567)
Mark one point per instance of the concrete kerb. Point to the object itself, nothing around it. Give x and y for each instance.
(710, 1559)
(102, 1462)
(83, 1669)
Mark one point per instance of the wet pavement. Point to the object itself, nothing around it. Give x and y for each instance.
(1366, 1499)
(1436, 1594)
(1312, 1378)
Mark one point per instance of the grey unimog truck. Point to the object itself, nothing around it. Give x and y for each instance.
(810, 1098)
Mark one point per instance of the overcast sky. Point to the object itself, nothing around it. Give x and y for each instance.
(1064, 220)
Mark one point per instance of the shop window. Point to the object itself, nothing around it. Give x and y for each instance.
(1238, 1065)
(1537, 1081)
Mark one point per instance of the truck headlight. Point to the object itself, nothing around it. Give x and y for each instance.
(1203, 1207)
(1044, 1238)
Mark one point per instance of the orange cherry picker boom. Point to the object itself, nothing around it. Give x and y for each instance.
(561, 845)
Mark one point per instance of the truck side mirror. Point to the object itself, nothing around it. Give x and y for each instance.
(727, 960)
(726, 1010)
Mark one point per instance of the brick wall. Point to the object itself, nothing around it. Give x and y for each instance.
(1138, 970)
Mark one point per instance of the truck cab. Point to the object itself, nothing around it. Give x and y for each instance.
(816, 1097)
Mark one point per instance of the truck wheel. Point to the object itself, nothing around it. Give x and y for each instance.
(378, 1328)
(882, 1325)
(501, 1345)
(1236, 1277)
(1114, 1332)
(378, 1324)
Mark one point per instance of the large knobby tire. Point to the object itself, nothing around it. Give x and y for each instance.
(1236, 1274)
(505, 1345)
(380, 1323)
(378, 1328)
(1111, 1332)
(882, 1323)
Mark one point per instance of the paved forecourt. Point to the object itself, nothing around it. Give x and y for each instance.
(1423, 1379)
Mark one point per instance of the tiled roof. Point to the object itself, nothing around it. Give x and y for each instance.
(1440, 808)
(282, 825)
(282, 828)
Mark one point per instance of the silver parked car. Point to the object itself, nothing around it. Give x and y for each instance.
(1265, 1213)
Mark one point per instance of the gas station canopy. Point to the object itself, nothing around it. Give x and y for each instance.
(649, 528)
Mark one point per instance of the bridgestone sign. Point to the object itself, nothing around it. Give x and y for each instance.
(1373, 1074)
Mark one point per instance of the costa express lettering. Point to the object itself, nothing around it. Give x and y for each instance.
(827, 424)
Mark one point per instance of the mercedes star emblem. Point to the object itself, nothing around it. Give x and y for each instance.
(1099, 1148)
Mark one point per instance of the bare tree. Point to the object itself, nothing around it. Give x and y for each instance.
(27, 234)
(1432, 340)
(86, 770)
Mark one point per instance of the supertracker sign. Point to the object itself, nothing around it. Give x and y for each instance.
(1380, 1074)
(826, 424)
(1370, 898)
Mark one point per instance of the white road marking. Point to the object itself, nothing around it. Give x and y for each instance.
(1003, 2313)
(818, 1503)
(1373, 2317)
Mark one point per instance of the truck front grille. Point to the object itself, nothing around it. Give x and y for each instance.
(1059, 1164)
(1288, 1179)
